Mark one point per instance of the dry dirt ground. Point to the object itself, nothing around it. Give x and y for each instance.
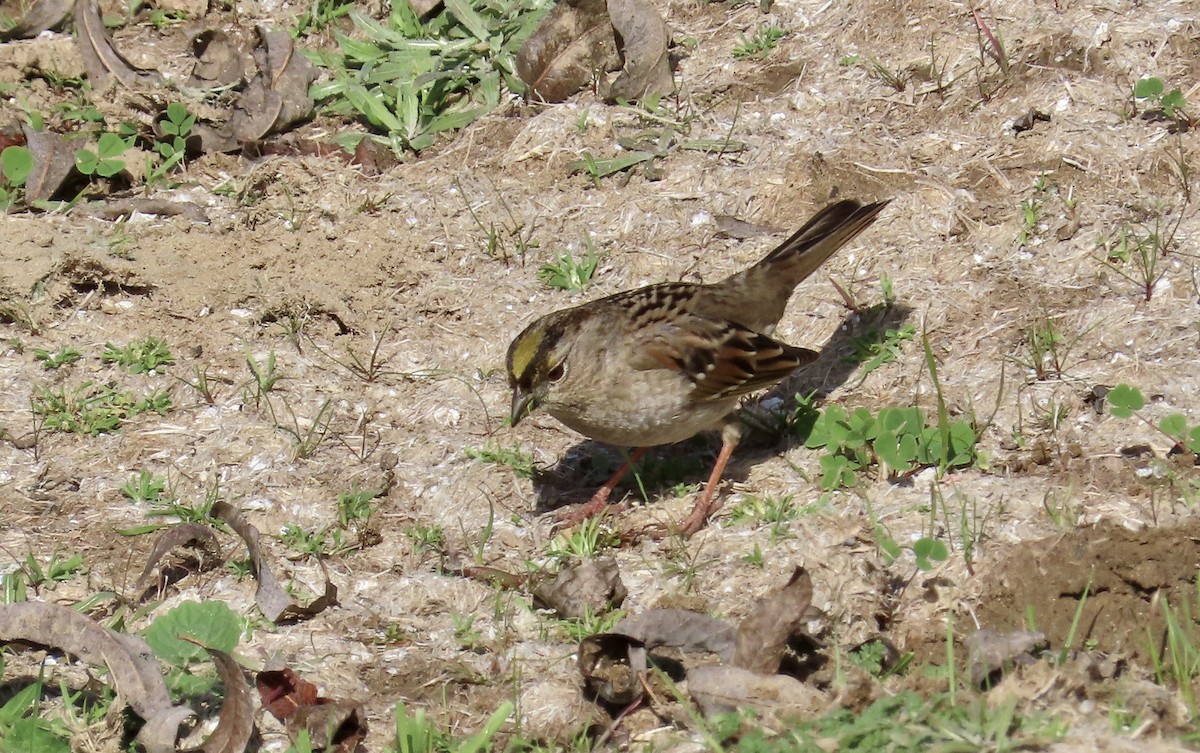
(310, 262)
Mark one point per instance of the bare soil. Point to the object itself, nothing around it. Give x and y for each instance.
(319, 265)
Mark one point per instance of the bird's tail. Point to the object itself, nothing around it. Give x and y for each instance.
(792, 261)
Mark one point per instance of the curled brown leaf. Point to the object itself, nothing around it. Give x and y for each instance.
(762, 637)
(274, 602)
(133, 670)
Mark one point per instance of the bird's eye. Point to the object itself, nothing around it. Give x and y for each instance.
(558, 372)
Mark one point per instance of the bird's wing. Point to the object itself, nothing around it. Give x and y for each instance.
(722, 359)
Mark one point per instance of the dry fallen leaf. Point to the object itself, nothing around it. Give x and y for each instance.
(275, 98)
(720, 689)
(134, 672)
(992, 651)
(218, 60)
(115, 209)
(274, 602)
(182, 535)
(680, 628)
(235, 722)
(612, 662)
(592, 587)
(568, 50)
(41, 16)
(295, 702)
(762, 637)
(53, 161)
(643, 39)
(101, 59)
(332, 725)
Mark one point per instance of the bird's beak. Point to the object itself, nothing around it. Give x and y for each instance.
(523, 404)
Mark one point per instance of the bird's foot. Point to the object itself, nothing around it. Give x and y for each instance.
(597, 505)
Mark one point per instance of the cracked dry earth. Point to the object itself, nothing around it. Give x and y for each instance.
(328, 270)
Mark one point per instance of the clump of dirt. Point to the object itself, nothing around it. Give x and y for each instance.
(1123, 577)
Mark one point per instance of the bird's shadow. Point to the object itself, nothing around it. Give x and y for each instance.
(681, 467)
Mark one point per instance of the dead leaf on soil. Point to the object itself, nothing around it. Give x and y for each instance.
(275, 99)
(719, 689)
(568, 50)
(611, 663)
(218, 60)
(371, 157)
(41, 16)
(295, 702)
(606, 663)
(282, 691)
(205, 554)
(100, 57)
(458, 563)
(331, 725)
(274, 602)
(115, 209)
(53, 161)
(136, 675)
(643, 38)
(690, 632)
(593, 587)
(235, 722)
(762, 637)
(993, 651)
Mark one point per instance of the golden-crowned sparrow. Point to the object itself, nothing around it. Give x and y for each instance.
(661, 363)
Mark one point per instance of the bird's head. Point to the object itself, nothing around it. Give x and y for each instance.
(539, 361)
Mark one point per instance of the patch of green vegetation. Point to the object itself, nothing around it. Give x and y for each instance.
(1151, 91)
(16, 163)
(209, 623)
(56, 570)
(52, 361)
(876, 348)
(320, 16)
(1176, 652)
(355, 505)
(774, 512)
(264, 378)
(519, 461)
(93, 408)
(415, 733)
(324, 542)
(873, 657)
(583, 541)
(176, 125)
(1125, 401)
(902, 722)
(897, 440)
(145, 487)
(27, 727)
(759, 45)
(665, 129)
(140, 356)
(570, 272)
(575, 629)
(1032, 209)
(1137, 253)
(895, 79)
(428, 538)
(412, 79)
(105, 161)
(154, 491)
